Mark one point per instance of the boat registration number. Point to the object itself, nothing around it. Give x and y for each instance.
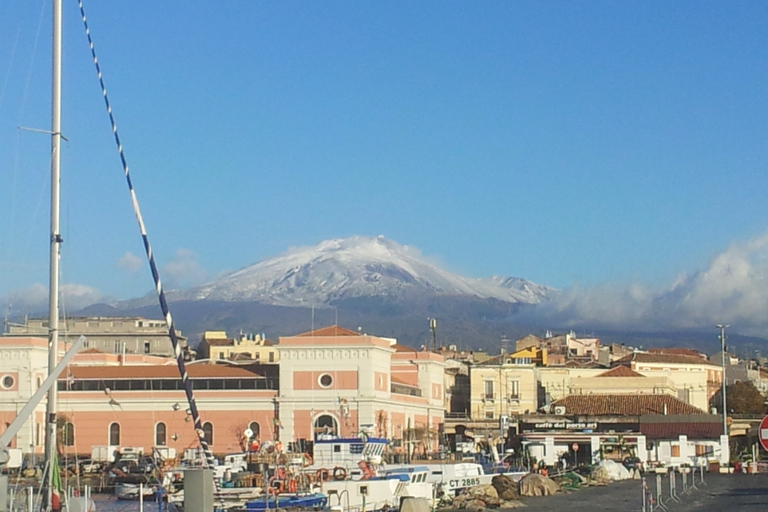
(464, 482)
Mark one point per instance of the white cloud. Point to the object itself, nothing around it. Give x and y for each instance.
(732, 289)
(183, 271)
(130, 262)
(34, 300)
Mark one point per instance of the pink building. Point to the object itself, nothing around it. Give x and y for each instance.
(331, 380)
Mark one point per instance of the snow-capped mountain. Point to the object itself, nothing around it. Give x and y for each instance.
(356, 267)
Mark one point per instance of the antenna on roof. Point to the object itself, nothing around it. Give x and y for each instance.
(433, 329)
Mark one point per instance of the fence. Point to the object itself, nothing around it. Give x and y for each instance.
(656, 498)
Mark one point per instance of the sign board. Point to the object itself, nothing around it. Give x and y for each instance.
(762, 433)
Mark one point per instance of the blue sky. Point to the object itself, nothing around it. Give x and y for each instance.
(581, 145)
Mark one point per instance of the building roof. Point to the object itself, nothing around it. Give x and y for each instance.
(694, 430)
(677, 351)
(624, 405)
(331, 330)
(644, 357)
(218, 342)
(621, 371)
(195, 371)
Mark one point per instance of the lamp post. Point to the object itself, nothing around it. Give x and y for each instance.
(725, 407)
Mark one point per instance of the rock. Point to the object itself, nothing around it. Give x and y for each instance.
(506, 488)
(475, 505)
(537, 485)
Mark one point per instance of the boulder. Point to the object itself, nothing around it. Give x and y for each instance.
(537, 485)
(506, 488)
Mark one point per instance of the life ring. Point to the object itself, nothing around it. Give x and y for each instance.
(339, 473)
(323, 475)
(292, 486)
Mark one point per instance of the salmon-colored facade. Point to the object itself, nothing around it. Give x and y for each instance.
(331, 380)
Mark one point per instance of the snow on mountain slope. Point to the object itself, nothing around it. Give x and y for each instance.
(356, 267)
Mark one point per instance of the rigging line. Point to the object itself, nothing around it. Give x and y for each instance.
(22, 108)
(150, 257)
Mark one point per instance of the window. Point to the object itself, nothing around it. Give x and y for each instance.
(675, 450)
(271, 357)
(68, 434)
(255, 428)
(8, 381)
(208, 432)
(489, 390)
(325, 380)
(160, 431)
(489, 415)
(221, 355)
(513, 387)
(114, 434)
(325, 425)
(147, 347)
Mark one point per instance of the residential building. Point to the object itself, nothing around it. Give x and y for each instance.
(116, 335)
(247, 348)
(696, 379)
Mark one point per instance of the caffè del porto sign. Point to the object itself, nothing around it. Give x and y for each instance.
(564, 425)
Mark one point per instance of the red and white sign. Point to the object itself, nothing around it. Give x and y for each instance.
(762, 433)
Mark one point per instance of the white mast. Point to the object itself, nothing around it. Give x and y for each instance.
(55, 240)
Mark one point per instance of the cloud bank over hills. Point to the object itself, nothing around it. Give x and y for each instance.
(731, 289)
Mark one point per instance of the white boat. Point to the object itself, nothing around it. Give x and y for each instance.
(450, 478)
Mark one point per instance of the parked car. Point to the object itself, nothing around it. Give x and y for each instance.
(633, 463)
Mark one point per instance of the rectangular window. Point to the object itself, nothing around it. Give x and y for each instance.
(513, 387)
(675, 450)
(489, 415)
(489, 390)
(271, 357)
(147, 347)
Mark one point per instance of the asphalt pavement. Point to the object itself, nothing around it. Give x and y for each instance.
(740, 492)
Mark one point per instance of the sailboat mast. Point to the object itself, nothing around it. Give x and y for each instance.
(55, 241)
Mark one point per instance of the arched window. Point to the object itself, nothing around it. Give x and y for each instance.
(114, 434)
(160, 439)
(325, 425)
(68, 434)
(208, 432)
(256, 429)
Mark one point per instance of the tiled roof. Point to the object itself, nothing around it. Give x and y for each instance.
(624, 405)
(195, 371)
(710, 430)
(91, 351)
(621, 371)
(643, 357)
(677, 351)
(332, 330)
(219, 342)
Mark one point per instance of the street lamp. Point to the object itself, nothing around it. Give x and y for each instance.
(725, 409)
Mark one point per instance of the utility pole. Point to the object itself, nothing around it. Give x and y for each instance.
(722, 328)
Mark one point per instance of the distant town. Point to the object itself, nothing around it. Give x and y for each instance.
(546, 399)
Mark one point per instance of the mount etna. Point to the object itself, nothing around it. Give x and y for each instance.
(368, 283)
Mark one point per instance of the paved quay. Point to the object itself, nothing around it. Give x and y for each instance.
(745, 493)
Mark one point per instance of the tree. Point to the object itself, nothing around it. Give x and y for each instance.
(744, 398)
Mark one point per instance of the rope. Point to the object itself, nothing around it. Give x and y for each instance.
(150, 257)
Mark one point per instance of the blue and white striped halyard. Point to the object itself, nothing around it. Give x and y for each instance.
(155, 274)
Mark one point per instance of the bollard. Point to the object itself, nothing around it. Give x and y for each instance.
(645, 499)
(659, 495)
(673, 487)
